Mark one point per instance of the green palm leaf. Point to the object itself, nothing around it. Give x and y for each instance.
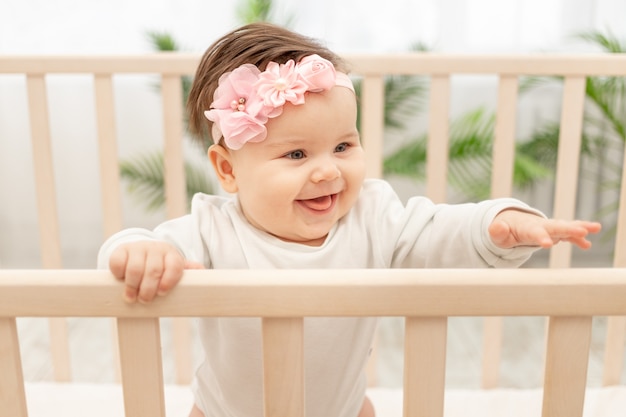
(251, 11)
(607, 41)
(404, 98)
(165, 42)
(535, 158)
(471, 140)
(143, 175)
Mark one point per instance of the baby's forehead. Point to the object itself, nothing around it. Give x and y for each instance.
(336, 96)
(338, 103)
(323, 136)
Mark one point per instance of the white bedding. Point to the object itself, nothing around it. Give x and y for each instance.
(105, 400)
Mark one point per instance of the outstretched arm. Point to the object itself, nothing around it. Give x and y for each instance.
(512, 227)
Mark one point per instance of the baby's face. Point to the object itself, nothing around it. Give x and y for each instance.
(307, 173)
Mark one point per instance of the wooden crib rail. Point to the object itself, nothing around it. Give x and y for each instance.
(426, 298)
(439, 68)
(318, 293)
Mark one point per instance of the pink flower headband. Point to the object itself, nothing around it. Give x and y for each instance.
(247, 98)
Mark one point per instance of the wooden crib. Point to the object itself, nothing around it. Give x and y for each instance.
(570, 297)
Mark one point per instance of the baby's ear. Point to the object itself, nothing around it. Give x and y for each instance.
(221, 160)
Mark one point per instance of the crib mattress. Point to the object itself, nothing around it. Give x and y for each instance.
(105, 400)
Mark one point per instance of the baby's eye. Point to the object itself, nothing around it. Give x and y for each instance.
(342, 147)
(299, 154)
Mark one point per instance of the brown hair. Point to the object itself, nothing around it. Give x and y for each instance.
(256, 44)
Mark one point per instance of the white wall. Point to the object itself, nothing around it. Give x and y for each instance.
(119, 26)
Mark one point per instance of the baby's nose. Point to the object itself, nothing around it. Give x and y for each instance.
(326, 171)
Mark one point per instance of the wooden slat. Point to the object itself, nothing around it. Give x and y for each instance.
(12, 395)
(567, 166)
(614, 350)
(619, 256)
(60, 349)
(438, 139)
(616, 326)
(44, 172)
(142, 368)
(283, 367)
(107, 146)
(424, 366)
(182, 343)
(372, 123)
(372, 134)
(570, 138)
(50, 241)
(501, 186)
(174, 167)
(567, 356)
(492, 352)
(504, 138)
(109, 172)
(176, 203)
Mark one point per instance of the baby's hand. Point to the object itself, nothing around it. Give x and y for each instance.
(512, 228)
(148, 268)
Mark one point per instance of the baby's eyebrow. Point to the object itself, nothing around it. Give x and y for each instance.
(288, 143)
(302, 142)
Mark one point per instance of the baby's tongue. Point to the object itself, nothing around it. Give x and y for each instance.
(320, 203)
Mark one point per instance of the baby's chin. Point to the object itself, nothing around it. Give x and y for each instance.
(312, 240)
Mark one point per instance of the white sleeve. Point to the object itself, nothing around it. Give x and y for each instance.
(178, 232)
(422, 234)
(455, 236)
(119, 238)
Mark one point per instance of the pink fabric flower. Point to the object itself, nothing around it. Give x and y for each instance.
(236, 85)
(237, 127)
(280, 83)
(318, 73)
(247, 98)
(237, 110)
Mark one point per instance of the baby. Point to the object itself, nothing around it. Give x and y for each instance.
(281, 112)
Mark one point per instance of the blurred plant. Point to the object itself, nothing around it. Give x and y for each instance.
(605, 113)
(471, 140)
(404, 98)
(471, 137)
(143, 174)
(165, 42)
(251, 11)
(604, 130)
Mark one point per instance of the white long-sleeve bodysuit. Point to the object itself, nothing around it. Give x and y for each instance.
(379, 232)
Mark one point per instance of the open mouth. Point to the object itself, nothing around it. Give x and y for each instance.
(320, 204)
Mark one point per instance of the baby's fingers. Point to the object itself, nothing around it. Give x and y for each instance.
(575, 232)
(581, 231)
(117, 263)
(173, 266)
(134, 274)
(592, 227)
(152, 275)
